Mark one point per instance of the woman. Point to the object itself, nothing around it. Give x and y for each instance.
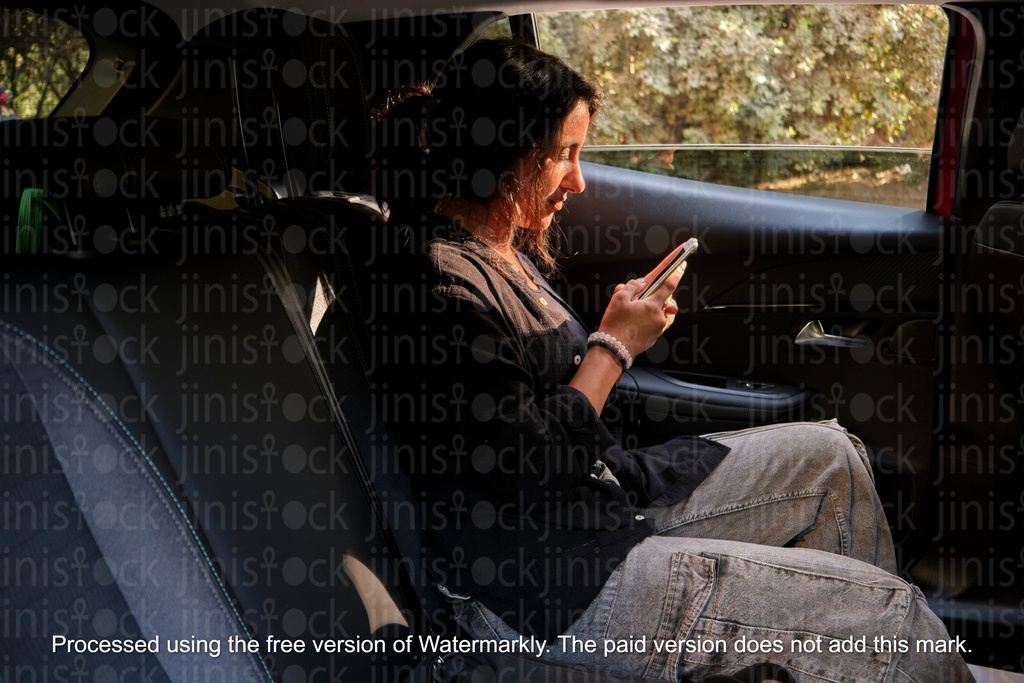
(541, 523)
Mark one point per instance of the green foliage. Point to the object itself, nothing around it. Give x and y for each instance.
(809, 74)
(40, 59)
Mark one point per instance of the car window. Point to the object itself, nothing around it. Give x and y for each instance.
(825, 100)
(499, 28)
(40, 59)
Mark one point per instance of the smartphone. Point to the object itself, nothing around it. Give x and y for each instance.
(667, 266)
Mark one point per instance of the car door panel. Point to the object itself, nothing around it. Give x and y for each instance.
(769, 266)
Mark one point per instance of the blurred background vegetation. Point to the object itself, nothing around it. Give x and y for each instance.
(677, 80)
(40, 59)
(817, 74)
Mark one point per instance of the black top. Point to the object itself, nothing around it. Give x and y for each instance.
(498, 448)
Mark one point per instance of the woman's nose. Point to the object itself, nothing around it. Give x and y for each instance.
(573, 181)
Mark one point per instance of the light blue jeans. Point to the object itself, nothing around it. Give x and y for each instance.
(785, 545)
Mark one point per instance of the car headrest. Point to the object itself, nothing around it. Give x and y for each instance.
(324, 115)
(100, 170)
(310, 73)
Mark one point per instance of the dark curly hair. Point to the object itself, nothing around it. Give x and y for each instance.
(491, 116)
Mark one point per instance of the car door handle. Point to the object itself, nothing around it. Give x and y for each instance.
(813, 334)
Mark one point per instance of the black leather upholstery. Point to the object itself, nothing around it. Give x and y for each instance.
(997, 256)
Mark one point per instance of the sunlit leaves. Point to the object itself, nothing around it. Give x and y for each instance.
(40, 59)
(816, 74)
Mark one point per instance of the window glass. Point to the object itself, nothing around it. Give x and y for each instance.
(40, 59)
(499, 28)
(825, 100)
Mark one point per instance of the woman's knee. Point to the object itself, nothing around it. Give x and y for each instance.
(826, 446)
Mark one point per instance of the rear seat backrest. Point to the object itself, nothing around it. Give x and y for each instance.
(128, 545)
(337, 252)
(194, 354)
(331, 248)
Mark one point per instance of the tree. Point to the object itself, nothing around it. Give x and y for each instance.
(815, 74)
(40, 59)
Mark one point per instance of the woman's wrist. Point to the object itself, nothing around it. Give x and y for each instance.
(613, 344)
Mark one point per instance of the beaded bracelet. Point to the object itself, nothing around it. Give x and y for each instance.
(607, 341)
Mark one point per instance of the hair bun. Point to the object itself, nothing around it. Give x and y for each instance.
(399, 98)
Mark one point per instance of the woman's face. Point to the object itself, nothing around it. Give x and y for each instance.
(559, 175)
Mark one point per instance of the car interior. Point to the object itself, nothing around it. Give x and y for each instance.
(191, 260)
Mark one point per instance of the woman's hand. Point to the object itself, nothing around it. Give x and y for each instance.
(636, 323)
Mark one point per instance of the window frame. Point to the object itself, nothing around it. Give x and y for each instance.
(526, 27)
